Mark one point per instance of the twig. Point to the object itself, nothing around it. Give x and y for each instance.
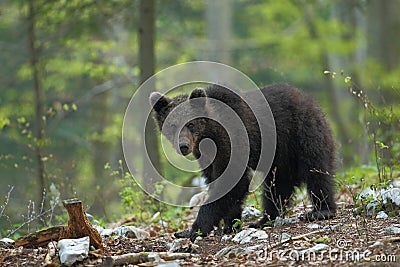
(135, 258)
(3, 207)
(297, 238)
(29, 221)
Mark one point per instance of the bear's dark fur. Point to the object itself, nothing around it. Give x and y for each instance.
(304, 152)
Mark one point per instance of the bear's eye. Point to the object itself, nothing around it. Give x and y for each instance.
(190, 125)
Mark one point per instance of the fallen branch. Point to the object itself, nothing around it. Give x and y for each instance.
(297, 238)
(40, 238)
(135, 258)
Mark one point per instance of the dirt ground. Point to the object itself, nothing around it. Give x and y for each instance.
(349, 244)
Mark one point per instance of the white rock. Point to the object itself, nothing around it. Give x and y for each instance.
(249, 235)
(367, 193)
(376, 244)
(226, 238)
(107, 232)
(177, 244)
(285, 236)
(371, 207)
(131, 232)
(243, 234)
(233, 250)
(251, 213)
(260, 234)
(330, 227)
(392, 195)
(392, 230)
(256, 247)
(73, 250)
(396, 183)
(315, 248)
(225, 251)
(279, 221)
(314, 226)
(6, 242)
(98, 228)
(381, 215)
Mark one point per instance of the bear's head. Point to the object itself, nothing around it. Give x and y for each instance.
(181, 119)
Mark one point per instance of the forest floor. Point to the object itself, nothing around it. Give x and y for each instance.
(351, 241)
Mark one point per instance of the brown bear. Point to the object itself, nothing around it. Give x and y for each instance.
(304, 154)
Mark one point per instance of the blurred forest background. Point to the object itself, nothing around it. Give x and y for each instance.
(69, 68)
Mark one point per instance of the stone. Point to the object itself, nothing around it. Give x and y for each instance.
(226, 238)
(381, 215)
(392, 195)
(177, 244)
(280, 221)
(233, 251)
(376, 244)
(6, 242)
(249, 235)
(371, 206)
(285, 236)
(314, 226)
(392, 230)
(251, 214)
(73, 250)
(131, 232)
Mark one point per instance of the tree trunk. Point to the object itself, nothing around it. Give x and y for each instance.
(219, 30)
(383, 23)
(37, 87)
(102, 184)
(346, 12)
(146, 64)
(329, 86)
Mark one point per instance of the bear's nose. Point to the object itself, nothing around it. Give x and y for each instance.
(184, 148)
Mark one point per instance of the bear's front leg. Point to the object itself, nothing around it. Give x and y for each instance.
(203, 225)
(228, 207)
(206, 220)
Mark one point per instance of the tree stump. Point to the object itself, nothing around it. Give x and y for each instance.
(78, 224)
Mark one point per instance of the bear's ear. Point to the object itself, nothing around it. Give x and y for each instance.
(158, 101)
(198, 92)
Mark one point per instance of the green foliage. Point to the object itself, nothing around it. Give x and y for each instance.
(381, 123)
(134, 200)
(323, 240)
(237, 225)
(88, 68)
